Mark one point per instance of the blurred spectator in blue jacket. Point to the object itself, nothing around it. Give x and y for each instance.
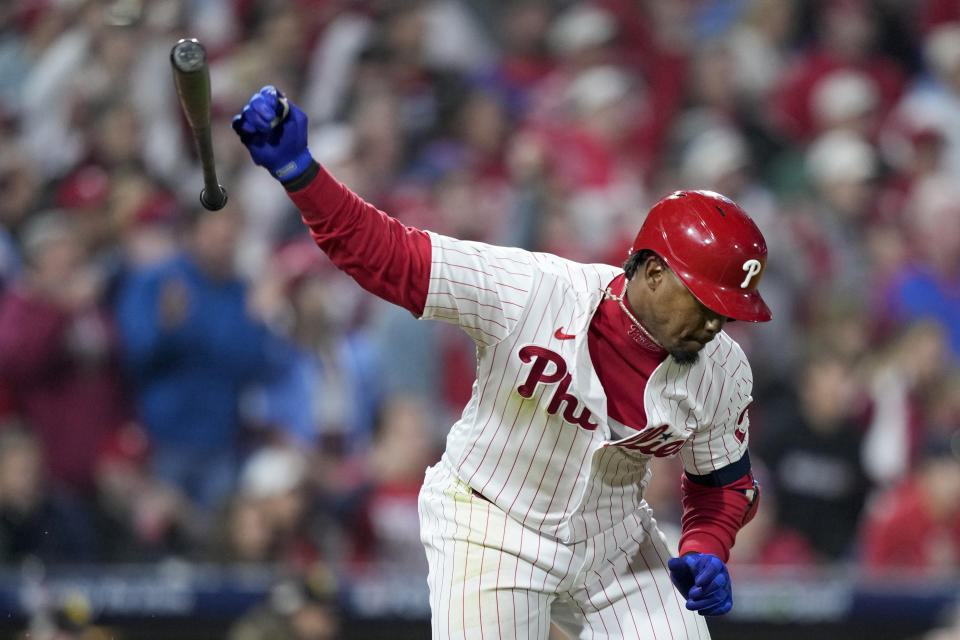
(928, 285)
(192, 344)
(331, 390)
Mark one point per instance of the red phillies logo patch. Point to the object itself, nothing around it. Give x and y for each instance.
(549, 367)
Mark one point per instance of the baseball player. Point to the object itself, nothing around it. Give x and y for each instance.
(585, 373)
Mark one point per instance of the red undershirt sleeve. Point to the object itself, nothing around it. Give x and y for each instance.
(385, 257)
(712, 515)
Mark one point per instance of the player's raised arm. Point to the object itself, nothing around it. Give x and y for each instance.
(385, 257)
(477, 286)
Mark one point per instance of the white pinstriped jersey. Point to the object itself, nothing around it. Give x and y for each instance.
(535, 438)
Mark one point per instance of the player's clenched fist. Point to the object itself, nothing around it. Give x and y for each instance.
(275, 142)
(703, 580)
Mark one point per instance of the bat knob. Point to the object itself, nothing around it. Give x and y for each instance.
(283, 111)
(216, 202)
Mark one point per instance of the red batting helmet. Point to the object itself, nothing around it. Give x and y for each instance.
(714, 248)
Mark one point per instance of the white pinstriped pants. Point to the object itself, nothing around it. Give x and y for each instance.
(491, 577)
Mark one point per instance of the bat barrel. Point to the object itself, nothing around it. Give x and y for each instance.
(189, 56)
(192, 80)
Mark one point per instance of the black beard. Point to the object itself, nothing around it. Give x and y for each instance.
(684, 357)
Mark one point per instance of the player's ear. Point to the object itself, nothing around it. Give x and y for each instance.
(653, 271)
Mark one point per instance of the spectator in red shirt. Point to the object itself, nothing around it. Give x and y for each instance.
(58, 351)
(917, 525)
(845, 43)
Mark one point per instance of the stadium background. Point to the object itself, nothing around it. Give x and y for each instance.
(285, 489)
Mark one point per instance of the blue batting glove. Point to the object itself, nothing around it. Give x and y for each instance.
(276, 143)
(703, 580)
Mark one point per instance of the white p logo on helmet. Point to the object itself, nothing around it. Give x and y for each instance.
(752, 267)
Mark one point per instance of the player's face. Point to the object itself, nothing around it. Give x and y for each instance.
(679, 322)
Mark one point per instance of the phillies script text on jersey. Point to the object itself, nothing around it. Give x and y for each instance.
(542, 357)
(549, 367)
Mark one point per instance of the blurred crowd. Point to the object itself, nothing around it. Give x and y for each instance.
(207, 386)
